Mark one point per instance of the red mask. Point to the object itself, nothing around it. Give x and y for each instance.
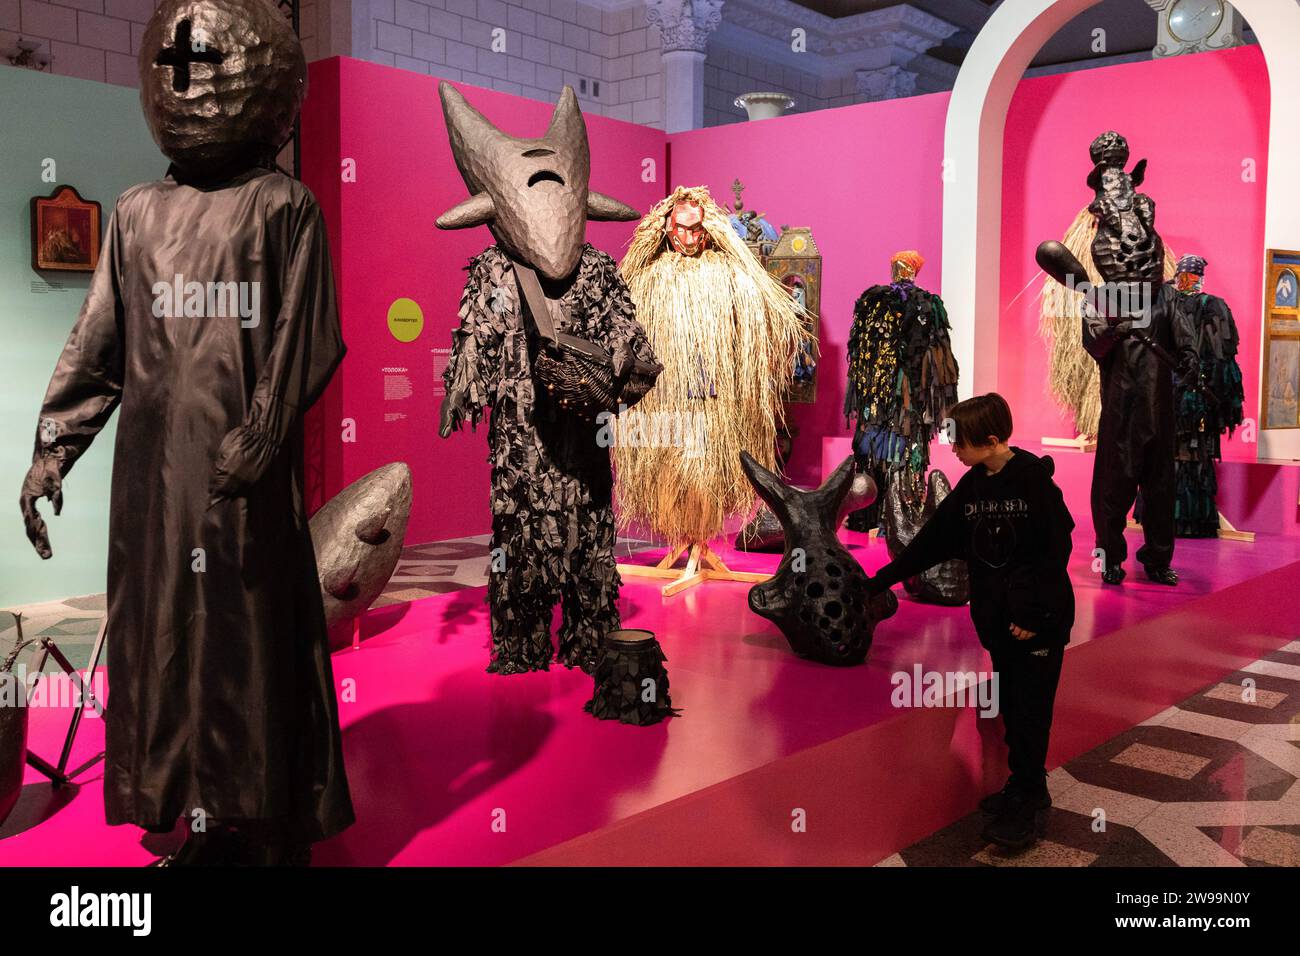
(686, 228)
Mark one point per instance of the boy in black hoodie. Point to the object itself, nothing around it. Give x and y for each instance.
(1007, 520)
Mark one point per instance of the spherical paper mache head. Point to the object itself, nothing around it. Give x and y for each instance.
(221, 81)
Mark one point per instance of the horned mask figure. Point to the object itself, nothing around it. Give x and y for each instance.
(532, 193)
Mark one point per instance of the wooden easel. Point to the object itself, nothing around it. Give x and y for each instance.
(702, 564)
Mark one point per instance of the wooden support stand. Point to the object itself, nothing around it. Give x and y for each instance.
(702, 564)
(1226, 531)
(1078, 443)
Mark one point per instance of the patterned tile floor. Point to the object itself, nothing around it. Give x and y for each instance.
(1214, 781)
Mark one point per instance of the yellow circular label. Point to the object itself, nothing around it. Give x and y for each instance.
(405, 320)
(798, 243)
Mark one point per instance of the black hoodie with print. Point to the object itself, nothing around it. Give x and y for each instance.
(1013, 531)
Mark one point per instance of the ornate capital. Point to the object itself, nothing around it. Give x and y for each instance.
(684, 24)
(886, 83)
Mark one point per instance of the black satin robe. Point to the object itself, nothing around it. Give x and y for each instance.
(221, 692)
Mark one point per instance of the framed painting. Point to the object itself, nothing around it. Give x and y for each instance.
(1281, 385)
(65, 232)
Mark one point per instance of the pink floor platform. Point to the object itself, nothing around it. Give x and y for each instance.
(452, 766)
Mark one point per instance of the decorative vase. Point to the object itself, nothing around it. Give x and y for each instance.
(764, 105)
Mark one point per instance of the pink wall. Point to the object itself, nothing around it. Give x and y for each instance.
(1196, 119)
(385, 246)
(867, 179)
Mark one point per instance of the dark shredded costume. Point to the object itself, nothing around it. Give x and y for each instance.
(1204, 410)
(902, 381)
(222, 693)
(552, 510)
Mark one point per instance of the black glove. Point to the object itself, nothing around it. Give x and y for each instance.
(43, 481)
(453, 410)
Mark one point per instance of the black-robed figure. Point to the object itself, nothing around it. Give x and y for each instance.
(1205, 406)
(553, 529)
(211, 321)
(1140, 342)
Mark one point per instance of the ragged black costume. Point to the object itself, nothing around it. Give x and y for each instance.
(1204, 407)
(552, 510)
(902, 380)
(553, 526)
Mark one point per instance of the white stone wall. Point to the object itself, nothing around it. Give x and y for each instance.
(727, 74)
(99, 39)
(91, 39)
(608, 55)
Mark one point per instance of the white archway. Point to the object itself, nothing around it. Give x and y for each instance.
(972, 192)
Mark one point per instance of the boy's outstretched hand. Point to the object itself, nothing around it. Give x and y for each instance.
(1020, 634)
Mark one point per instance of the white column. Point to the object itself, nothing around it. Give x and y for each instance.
(685, 26)
(683, 88)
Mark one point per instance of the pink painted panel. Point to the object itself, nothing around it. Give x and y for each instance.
(1202, 122)
(389, 123)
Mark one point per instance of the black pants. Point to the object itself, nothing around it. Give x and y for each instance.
(1122, 467)
(1026, 695)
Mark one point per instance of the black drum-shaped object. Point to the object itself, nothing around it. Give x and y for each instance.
(631, 680)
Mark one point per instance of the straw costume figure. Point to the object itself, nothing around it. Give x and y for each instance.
(726, 332)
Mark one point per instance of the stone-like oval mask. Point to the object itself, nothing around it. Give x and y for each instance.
(221, 81)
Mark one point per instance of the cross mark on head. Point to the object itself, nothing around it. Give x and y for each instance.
(183, 53)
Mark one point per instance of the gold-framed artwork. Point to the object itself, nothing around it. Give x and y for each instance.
(65, 232)
(796, 263)
(1281, 384)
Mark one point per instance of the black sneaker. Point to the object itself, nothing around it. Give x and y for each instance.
(1018, 826)
(995, 803)
(1113, 574)
(1166, 575)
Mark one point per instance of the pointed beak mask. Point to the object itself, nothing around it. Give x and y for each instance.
(532, 193)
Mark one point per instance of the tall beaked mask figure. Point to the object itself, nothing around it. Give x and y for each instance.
(1139, 340)
(211, 321)
(537, 298)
